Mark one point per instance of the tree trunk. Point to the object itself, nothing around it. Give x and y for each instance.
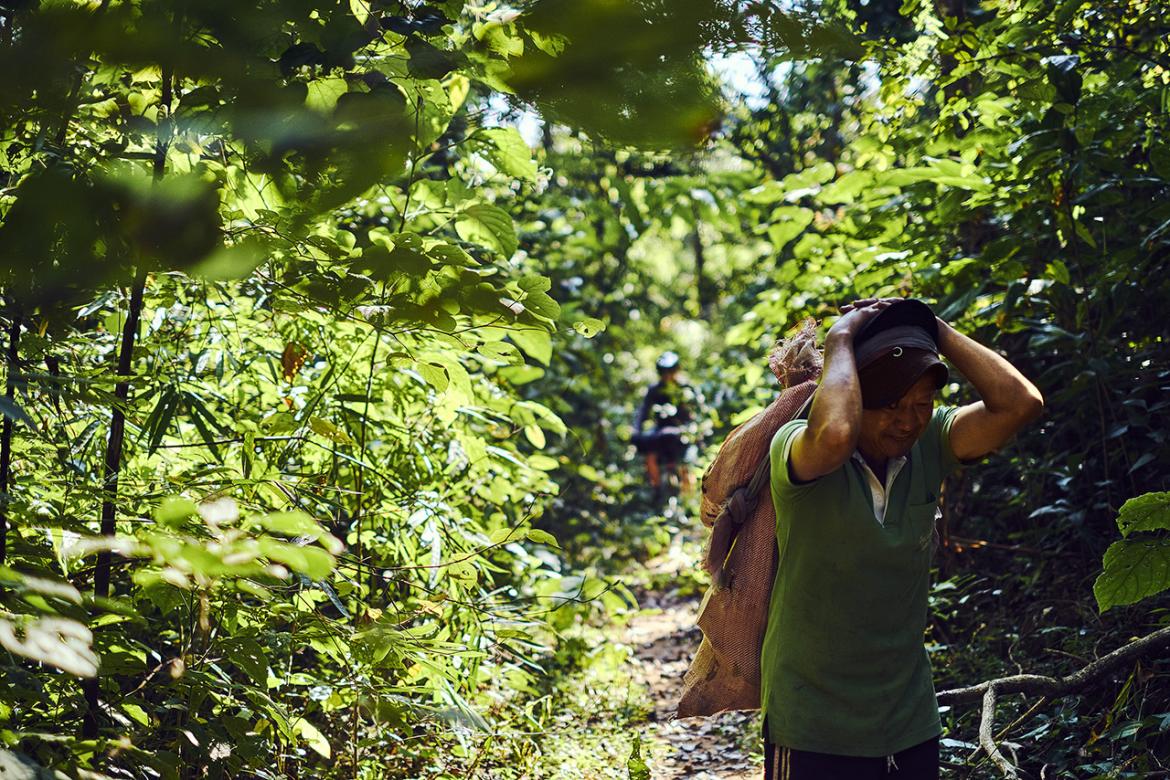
(704, 288)
(113, 461)
(101, 575)
(956, 9)
(6, 436)
(113, 464)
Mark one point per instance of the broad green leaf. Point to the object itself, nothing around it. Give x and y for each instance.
(434, 374)
(543, 462)
(281, 422)
(904, 176)
(631, 73)
(232, 262)
(810, 177)
(846, 188)
(60, 642)
(489, 226)
(1134, 569)
(501, 351)
(520, 375)
(541, 537)
(313, 562)
(789, 222)
(136, 712)
(466, 573)
(460, 387)
(501, 535)
(428, 62)
(42, 586)
(449, 254)
(1149, 512)
(768, 192)
(636, 766)
(330, 431)
(589, 327)
(536, 343)
(745, 414)
(376, 645)
(173, 511)
(12, 411)
(540, 304)
(525, 412)
(535, 435)
(535, 283)
(249, 656)
(458, 87)
(508, 152)
(312, 736)
(1058, 271)
(322, 94)
(360, 10)
(295, 523)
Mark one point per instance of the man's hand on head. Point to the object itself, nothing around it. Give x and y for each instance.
(865, 302)
(1008, 400)
(855, 316)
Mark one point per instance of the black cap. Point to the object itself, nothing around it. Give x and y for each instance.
(894, 350)
(908, 311)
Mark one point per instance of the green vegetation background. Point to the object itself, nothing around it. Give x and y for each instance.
(315, 454)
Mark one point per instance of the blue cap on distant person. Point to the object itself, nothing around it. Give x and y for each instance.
(668, 361)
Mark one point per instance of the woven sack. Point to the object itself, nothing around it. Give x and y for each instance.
(741, 552)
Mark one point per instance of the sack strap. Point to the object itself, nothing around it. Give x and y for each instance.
(736, 510)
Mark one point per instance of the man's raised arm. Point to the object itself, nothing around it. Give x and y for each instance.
(834, 422)
(1008, 400)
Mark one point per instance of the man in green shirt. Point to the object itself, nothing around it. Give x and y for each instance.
(846, 682)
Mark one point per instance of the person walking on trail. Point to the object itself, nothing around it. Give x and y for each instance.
(846, 686)
(668, 407)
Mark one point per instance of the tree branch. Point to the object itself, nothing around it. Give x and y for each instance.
(1049, 687)
(987, 739)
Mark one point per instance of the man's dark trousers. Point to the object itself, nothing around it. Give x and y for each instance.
(916, 763)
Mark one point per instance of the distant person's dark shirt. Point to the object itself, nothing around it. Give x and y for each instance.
(665, 405)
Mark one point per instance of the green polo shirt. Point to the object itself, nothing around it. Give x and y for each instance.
(844, 669)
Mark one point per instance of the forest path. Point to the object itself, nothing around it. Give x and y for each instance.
(663, 638)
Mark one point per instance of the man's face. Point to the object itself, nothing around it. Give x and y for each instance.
(891, 431)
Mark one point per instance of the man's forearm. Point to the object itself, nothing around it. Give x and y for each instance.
(1002, 388)
(836, 409)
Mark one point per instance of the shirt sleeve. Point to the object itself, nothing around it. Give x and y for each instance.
(940, 427)
(779, 453)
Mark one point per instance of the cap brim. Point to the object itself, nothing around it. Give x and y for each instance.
(887, 379)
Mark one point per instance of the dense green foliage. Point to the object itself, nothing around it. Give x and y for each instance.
(311, 360)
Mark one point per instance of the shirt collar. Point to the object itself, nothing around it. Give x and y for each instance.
(892, 463)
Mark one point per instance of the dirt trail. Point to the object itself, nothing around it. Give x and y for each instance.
(698, 748)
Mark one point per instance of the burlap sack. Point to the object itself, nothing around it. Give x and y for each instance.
(725, 672)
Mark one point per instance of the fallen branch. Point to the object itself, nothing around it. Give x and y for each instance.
(1035, 708)
(987, 740)
(1049, 687)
